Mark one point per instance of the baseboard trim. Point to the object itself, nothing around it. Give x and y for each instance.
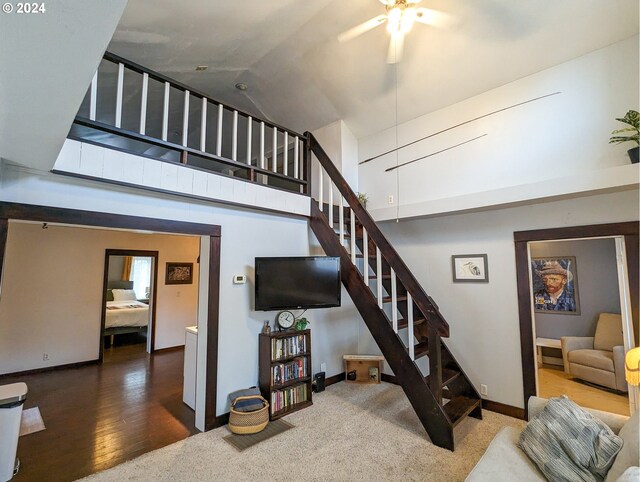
(35, 371)
(221, 420)
(503, 409)
(385, 377)
(168, 349)
(340, 377)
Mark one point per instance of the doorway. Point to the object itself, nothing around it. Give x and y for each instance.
(577, 298)
(129, 298)
(625, 236)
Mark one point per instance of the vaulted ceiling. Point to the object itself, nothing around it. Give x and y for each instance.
(300, 76)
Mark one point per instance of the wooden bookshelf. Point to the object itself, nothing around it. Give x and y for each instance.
(285, 371)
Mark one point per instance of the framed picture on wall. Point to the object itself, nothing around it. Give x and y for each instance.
(555, 285)
(179, 274)
(470, 268)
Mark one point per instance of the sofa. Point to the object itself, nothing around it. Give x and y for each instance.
(504, 461)
(597, 359)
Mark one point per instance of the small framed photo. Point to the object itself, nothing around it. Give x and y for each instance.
(179, 274)
(470, 268)
(555, 285)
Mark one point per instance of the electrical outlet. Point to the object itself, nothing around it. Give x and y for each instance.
(390, 199)
(323, 367)
(45, 357)
(484, 391)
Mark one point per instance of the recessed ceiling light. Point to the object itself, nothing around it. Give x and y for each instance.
(202, 67)
(241, 86)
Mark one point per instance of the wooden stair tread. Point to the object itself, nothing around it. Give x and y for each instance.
(402, 323)
(459, 407)
(362, 255)
(375, 276)
(388, 299)
(421, 349)
(448, 375)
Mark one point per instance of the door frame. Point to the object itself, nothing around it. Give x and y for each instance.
(628, 230)
(154, 286)
(47, 214)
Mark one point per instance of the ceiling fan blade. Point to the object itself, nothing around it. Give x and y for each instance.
(396, 46)
(362, 28)
(435, 18)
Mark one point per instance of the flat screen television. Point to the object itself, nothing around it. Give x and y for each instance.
(297, 282)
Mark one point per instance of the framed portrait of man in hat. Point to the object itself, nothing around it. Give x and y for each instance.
(555, 285)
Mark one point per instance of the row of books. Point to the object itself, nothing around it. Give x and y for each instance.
(281, 399)
(286, 347)
(284, 372)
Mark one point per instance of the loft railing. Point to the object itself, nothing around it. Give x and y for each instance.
(134, 109)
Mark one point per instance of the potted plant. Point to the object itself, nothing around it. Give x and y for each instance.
(362, 197)
(632, 119)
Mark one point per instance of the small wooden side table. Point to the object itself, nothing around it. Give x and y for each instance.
(367, 368)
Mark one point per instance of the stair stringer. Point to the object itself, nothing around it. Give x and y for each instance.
(407, 373)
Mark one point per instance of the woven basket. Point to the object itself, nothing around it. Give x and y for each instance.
(245, 423)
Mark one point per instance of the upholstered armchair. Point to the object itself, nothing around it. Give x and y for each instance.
(597, 359)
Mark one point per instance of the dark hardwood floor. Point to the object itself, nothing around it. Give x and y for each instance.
(99, 416)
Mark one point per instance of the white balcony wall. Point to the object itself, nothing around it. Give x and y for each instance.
(100, 163)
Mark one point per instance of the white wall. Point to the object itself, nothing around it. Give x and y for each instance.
(549, 147)
(52, 292)
(485, 334)
(342, 148)
(245, 235)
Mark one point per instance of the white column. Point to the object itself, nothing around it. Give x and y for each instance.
(365, 245)
(410, 326)
(285, 158)
(93, 99)
(219, 133)
(249, 140)
(234, 137)
(143, 103)
(353, 237)
(394, 299)
(185, 119)
(341, 219)
(203, 125)
(274, 153)
(261, 145)
(379, 275)
(119, 94)
(296, 153)
(165, 111)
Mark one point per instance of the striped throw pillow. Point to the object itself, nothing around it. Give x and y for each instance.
(568, 444)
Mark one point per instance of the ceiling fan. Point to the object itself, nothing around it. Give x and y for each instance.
(400, 17)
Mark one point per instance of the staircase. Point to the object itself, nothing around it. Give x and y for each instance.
(404, 321)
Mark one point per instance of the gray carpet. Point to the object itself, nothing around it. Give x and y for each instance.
(352, 432)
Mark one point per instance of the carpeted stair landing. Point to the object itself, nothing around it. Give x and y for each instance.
(352, 432)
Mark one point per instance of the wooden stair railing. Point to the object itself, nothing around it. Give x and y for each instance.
(445, 396)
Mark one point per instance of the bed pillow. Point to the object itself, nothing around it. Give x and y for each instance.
(124, 295)
(567, 443)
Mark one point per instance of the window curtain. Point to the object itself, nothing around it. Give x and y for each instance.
(141, 276)
(126, 268)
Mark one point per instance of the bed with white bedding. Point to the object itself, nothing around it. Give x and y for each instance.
(126, 313)
(123, 312)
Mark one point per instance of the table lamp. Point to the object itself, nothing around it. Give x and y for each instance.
(632, 371)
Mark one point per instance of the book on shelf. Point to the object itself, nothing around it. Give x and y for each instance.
(285, 372)
(287, 347)
(287, 397)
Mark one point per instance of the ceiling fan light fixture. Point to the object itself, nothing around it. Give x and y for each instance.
(394, 20)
